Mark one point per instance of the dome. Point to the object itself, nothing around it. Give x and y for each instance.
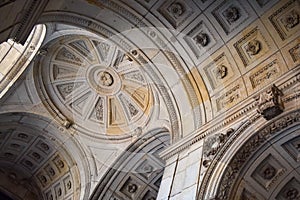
(96, 85)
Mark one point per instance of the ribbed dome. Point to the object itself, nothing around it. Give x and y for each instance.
(96, 85)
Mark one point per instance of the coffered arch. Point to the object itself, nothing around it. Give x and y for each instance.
(41, 159)
(259, 164)
(138, 171)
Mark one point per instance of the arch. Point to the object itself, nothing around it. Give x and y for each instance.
(45, 154)
(247, 141)
(139, 166)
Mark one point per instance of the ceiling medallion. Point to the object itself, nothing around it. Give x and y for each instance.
(96, 85)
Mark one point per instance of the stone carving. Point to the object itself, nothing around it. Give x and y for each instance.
(291, 20)
(201, 39)
(67, 124)
(94, 87)
(135, 76)
(51, 171)
(106, 79)
(285, 19)
(59, 192)
(45, 146)
(36, 155)
(249, 148)
(22, 135)
(133, 110)
(66, 55)
(132, 188)
(221, 71)
(295, 52)
(253, 47)
(292, 194)
(212, 144)
(231, 14)
(269, 102)
(147, 168)
(69, 185)
(269, 172)
(43, 179)
(176, 9)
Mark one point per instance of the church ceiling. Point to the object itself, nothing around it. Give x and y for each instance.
(36, 162)
(96, 86)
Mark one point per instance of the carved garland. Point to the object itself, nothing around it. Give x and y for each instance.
(235, 166)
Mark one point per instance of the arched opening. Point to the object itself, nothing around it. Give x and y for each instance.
(263, 166)
(137, 173)
(38, 161)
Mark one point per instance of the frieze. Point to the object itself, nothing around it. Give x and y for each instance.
(230, 98)
(213, 128)
(265, 74)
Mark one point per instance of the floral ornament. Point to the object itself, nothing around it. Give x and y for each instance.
(232, 14)
(106, 79)
(176, 9)
(269, 173)
(292, 194)
(131, 188)
(221, 71)
(253, 47)
(201, 39)
(291, 20)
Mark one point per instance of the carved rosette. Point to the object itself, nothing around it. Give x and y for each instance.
(96, 85)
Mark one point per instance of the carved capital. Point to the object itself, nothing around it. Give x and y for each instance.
(269, 103)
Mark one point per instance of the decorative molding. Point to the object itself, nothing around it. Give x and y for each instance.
(221, 121)
(249, 148)
(286, 19)
(176, 12)
(27, 20)
(252, 46)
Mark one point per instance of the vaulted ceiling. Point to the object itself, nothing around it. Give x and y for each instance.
(109, 72)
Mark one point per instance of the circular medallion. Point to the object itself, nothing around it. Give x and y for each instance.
(96, 85)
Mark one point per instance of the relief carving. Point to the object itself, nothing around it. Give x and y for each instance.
(201, 39)
(231, 14)
(249, 149)
(176, 10)
(105, 79)
(212, 144)
(269, 102)
(132, 188)
(295, 53)
(253, 47)
(291, 20)
(292, 194)
(221, 71)
(269, 172)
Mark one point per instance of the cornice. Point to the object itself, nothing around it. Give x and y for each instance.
(240, 112)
